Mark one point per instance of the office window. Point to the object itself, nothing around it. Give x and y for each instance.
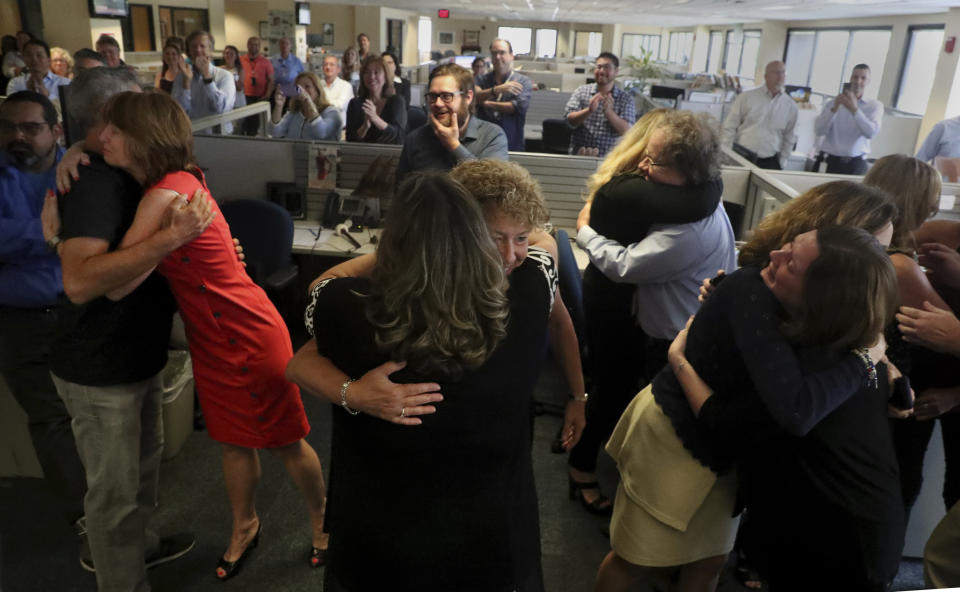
(424, 37)
(633, 43)
(182, 21)
(519, 38)
(546, 43)
(681, 47)
(800, 45)
(731, 53)
(916, 77)
(587, 43)
(823, 59)
(749, 50)
(715, 53)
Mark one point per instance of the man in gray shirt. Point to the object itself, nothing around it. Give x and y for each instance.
(452, 133)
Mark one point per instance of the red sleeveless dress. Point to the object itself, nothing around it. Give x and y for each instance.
(238, 341)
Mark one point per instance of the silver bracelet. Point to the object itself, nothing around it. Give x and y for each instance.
(343, 397)
(864, 355)
(582, 398)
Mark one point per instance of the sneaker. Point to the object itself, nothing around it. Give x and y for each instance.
(170, 548)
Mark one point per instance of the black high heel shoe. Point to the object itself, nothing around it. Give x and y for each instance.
(228, 569)
(317, 557)
(600, 506)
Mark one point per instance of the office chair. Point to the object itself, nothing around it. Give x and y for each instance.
(265, 231)
(416, 117)
(556, 136)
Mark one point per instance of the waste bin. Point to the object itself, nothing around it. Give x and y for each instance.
(177, 402)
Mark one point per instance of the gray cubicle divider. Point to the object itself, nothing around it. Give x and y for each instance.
(546, 104)
(563, 180)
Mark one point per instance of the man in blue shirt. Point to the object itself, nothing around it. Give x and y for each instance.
(504, 95)
(286, 68)
(452, 134)
(599, 112)
(30, 284)
(36, 54)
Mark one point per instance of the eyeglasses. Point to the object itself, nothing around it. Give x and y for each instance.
(647, 160)
(446, 97)
(608, 67)
(29, 128)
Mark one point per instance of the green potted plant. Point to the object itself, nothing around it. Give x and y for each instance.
(644, 67)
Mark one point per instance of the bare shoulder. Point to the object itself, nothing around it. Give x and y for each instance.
(946, 232)
(543, 239)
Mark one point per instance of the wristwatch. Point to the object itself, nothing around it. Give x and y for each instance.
(54, 242)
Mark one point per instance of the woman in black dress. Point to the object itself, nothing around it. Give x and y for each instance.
(440, 496)
(377, 114)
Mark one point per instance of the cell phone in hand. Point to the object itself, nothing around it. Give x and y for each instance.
(846, 87)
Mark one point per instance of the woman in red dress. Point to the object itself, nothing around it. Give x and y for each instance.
(239, 343)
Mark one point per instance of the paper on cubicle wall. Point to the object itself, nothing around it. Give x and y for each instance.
(322, 165)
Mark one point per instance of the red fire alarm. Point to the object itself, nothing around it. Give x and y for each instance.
(948, 46)
(443, 13)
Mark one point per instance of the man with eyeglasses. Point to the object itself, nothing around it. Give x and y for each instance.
(451, 134)
(761, 122)
(38, 78)
(30, 285)
(600, 112)
(504, 94)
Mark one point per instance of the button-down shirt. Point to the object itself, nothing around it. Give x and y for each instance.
(762, 122)
(943, 140)
(667, 266)
(51, 82)
(203, 98)
(338, 94)
(29, 272)
(512, 123)
(845, 133)
(260, 72)
(285, 72)
(423, 151)
(596, 131)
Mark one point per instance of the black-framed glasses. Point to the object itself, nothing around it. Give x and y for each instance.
(446, 97)
(29, 128)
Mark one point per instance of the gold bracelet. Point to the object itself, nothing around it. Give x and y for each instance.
(582, 398)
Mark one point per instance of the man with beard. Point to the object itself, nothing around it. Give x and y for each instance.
(599, 113)
(107, 358)
(30, 286)
(452, 134)
(504, 95)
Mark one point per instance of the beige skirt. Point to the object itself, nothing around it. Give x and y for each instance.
(669, 509)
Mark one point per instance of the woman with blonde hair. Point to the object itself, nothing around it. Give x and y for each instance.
(377, 114)
(61, 62)
(624, 205)
(351, 67)
(915, 188)
(238, 341)
(450, 324)
(309, 116)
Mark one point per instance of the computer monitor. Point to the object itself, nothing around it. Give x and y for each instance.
(665, 92)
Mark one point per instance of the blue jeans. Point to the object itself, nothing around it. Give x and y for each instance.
(119, 434)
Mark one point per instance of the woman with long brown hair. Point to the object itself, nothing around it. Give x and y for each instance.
(309, 116)
(238, 341)
(377, 114)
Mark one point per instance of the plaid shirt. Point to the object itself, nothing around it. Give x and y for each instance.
(596, 131)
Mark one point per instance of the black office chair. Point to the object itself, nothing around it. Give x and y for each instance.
(556, 136)
(416, 117)
(265, 231)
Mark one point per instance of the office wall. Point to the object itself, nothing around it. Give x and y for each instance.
(9, 17)
(66, 23)
(340, 16)
(241, 21)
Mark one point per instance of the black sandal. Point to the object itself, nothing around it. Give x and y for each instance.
(600, 506)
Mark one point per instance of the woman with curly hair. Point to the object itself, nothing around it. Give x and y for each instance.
(462, 511)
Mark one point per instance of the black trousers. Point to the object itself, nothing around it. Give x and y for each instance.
(770, 162)
(910, 439)
(846, 165)
(615, 362)
(25, 339)
(251, 125)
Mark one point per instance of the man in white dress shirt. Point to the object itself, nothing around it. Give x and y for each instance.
(38, 78)
(338, 91)
(203, 89)
(943, 140)
(847, 123)
(762, 120)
